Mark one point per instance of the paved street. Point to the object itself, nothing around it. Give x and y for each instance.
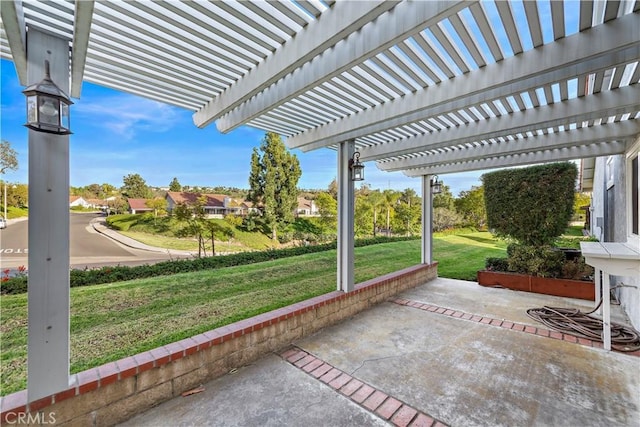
(88, 247)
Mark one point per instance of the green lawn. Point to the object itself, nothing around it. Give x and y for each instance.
(115, 320)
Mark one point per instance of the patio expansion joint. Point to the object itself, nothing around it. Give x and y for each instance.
(364, 395)
(504, 324)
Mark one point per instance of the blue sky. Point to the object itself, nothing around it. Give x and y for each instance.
(116, 134)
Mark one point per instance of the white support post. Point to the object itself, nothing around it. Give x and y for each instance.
(598, 285)
(48, 296)
(346, 208)
(427, 220)
(606, 311)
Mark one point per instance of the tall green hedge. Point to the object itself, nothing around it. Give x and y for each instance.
(531, 205)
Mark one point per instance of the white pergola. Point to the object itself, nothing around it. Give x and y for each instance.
(424, 87)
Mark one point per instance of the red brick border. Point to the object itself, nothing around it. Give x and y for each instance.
(367, 294)
(366, 396)
(501, 323)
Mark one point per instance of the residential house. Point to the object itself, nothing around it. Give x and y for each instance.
(215, 205)
(75, 201)
(138, 206)
(306, 207)
(614, 213)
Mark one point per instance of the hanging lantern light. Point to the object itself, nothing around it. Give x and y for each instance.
(47, 106)
(436, 186)
(357, 168)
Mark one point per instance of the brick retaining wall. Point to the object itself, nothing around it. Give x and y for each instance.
(118, 390)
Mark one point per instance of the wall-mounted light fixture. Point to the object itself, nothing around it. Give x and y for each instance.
(47, 106)
(357, 168)
(436, 186)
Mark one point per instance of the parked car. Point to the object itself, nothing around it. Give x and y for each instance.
(3, 222)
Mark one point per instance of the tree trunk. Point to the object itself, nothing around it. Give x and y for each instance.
(375, 221)
(213, 245)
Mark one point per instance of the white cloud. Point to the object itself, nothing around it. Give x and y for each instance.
(126, 115)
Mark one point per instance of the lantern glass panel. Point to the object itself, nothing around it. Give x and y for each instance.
(48, 108)
(32, 111)
(65, 120)
(358, 172)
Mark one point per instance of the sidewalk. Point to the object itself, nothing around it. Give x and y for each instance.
(99, 224)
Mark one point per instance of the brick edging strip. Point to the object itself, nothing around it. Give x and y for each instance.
(519, 327)
(363, 394)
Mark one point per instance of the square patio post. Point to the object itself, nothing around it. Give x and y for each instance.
(345, 218)
(427, 220)
(48, 294)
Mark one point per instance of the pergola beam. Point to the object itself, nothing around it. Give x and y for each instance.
(609, 132)
(560, 154)
(331, 27)
(14, 26)
(372, 39)
(81, 29)
(600, 47)
(600, 105)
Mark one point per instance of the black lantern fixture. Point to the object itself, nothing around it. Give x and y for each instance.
(47, 106)
(436, 186)
(357, 168)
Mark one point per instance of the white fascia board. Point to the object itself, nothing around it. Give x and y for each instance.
(81, 30)
(600, 47)
(611, 132)
(603, 104)
(322, 64)
(332, 26)
(15, 30)
(521, 159)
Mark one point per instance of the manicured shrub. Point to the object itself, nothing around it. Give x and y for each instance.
(544, 260)
(530, 205)
(496, 264)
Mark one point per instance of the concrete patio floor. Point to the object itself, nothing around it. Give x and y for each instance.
(448, 352)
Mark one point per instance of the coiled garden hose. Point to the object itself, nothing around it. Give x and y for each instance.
(574, 322)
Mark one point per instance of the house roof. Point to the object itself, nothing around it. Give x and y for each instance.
(74, 198)
(304, 203)
(422, 87)
(139, 204)
(211, 200)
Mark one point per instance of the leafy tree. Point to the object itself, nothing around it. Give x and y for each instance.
(375, 199)
(17, 195)
(175, 185)
(328, 210)
(389, 202)
(8, 157)
(117, 205)
(582, 200)
(273, 182)
(135, 187)
(444, 199)
(363, 219)
(470, 204)
(159, 205)
(444, 219)
(333, 189)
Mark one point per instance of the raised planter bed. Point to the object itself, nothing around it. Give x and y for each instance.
(541, 285)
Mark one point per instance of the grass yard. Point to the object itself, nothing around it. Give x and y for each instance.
(111, 321)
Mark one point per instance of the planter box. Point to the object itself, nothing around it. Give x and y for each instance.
(541, 285)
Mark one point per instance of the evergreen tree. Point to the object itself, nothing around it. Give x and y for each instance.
(273, 182)
(175, 185)
(135, 187)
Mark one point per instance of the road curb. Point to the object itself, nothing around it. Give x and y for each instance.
(99, 226)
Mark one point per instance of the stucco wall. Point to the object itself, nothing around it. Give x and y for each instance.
(629, 295)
